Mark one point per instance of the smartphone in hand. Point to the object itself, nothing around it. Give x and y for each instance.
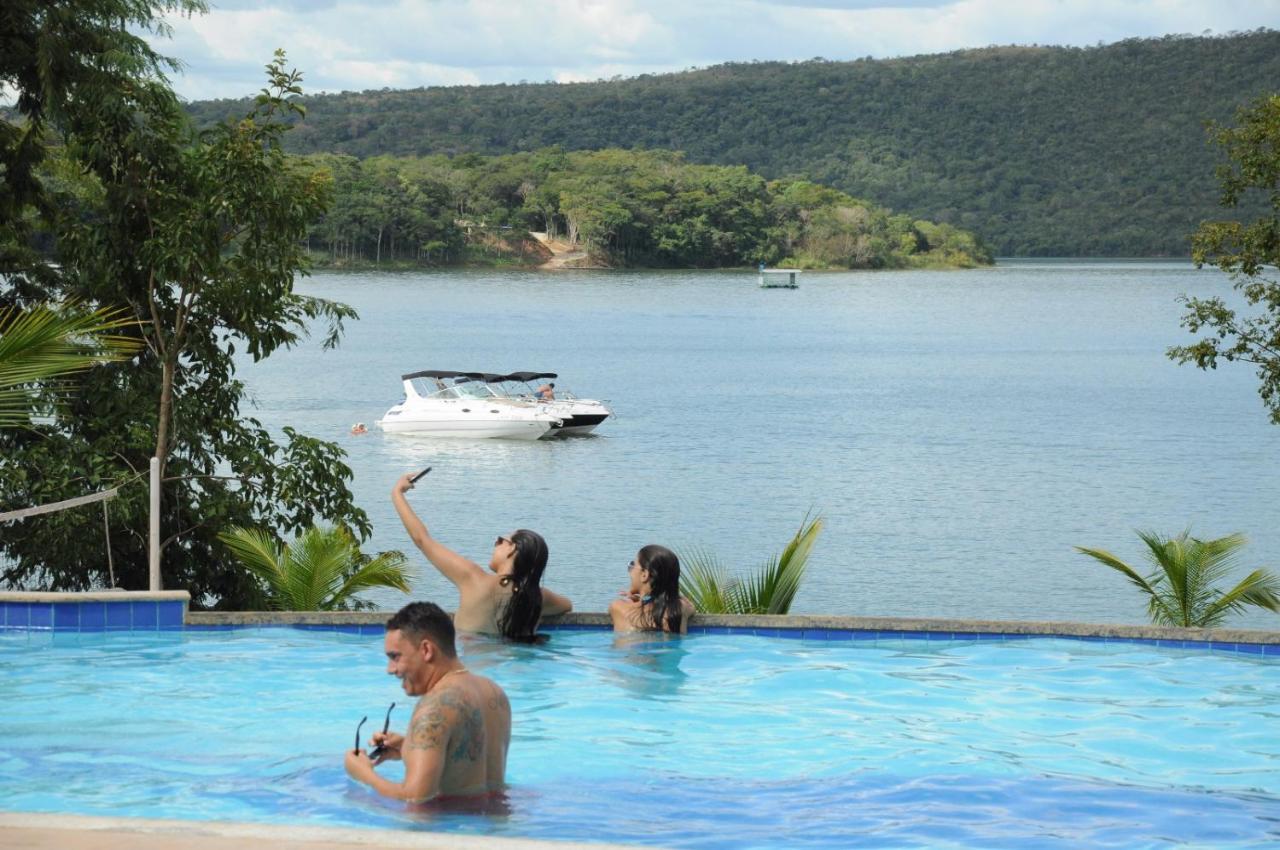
(414, 479)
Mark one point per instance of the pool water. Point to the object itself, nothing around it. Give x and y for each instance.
(709, 741)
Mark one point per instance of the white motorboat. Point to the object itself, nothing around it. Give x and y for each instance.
(466, 408)
(576, 415)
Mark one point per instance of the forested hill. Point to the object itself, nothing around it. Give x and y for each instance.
(1040, 150)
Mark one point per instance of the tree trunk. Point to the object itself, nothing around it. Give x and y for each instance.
(165, 413)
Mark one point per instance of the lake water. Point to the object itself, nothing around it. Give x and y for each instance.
(960, 431)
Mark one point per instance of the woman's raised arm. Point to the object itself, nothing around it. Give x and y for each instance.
(456, 568)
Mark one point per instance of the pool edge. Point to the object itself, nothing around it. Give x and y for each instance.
(36, 831)
(817, 627)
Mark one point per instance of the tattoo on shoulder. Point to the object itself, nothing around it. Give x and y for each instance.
(466, 743)
(428, 730)
(446, 721)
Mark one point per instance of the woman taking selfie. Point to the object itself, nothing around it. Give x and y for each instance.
(507, 599)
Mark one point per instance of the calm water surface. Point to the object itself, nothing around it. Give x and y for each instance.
(959, 431)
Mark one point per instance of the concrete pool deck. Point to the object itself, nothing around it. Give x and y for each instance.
(74, 832)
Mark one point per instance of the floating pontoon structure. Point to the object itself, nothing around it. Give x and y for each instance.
(778, 278)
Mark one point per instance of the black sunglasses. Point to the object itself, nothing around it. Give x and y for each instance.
(378, 750)
(502, 539)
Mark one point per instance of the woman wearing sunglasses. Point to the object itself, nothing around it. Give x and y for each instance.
(653, 602)
(507, 599)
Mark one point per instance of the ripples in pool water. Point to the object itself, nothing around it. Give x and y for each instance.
(706, 742)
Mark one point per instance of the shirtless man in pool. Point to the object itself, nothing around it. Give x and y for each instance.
(461, 727)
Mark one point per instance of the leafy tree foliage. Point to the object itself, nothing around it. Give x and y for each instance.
(627, 208)
(58, 59)
(1249, 252)
(197, 235)
(1041, 151)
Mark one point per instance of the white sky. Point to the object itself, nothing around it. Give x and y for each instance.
(353, 45)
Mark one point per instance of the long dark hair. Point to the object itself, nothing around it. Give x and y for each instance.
(662, 610)
(518, 619)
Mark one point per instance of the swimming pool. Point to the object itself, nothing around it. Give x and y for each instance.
(710, 741)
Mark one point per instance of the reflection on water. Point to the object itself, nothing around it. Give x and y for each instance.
(652, 663)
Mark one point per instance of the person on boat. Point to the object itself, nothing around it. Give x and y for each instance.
(507, 599)
(546, 392)
(653, 602)
(457, 740)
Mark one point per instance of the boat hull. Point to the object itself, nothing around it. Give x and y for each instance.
(580, 423)
(476, 430)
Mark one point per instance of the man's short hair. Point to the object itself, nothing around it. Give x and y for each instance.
(420, 620)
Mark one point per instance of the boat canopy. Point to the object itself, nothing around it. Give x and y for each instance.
(433, 373)
(487, 377)
(525, 377)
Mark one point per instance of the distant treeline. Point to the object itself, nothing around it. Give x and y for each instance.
(1039, 150)
(626, 208)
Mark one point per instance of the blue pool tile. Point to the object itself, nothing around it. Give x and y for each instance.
(906, 635)
(93, 616)
(1249, 648)
(145, 615)
(828, 634)
(119, 616)
(41, 616)
(1271, 650)
(862, 635)
(17, 614)
(968, 636)
(373, 630)
(66, 615)
(1222, 647)
(171, 615)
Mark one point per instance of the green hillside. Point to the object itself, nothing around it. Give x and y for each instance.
(1041, 151)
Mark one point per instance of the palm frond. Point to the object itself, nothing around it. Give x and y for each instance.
(1120, 566)
(322, 570)
(1259, 588)
(261, 554)
(317, 561)
(1183, 588)
(705, 582)
(769, 589)
(40, 345)
(388, 569)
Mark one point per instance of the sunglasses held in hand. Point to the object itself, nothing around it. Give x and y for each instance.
(380, 749)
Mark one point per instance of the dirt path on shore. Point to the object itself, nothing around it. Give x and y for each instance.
(563, 255)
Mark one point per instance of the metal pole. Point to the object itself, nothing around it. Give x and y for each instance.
(153, 549)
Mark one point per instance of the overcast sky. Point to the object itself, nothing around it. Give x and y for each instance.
(353, 45)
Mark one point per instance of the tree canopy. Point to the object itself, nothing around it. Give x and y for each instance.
(1040, 151)
(626, 208)
(1248, 251)
(114, 200)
